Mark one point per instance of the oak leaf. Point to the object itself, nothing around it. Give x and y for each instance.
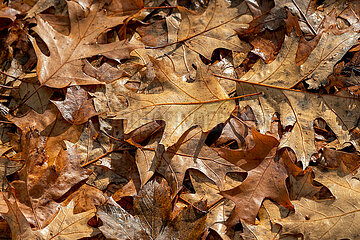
(299, 110)
(190, 152)
(206, 189)
(283, 72)
(64, 66)
(77, 108)
(186, 36)
(203, 33)
(266, 178)
(51, 125)
(152, 219)
(41, 184)
(337, 217)
(65, 226)
(181, 104)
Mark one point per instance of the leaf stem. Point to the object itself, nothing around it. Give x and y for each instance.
(304, 17)
(195, 35)
(282, 88)
(161, 7)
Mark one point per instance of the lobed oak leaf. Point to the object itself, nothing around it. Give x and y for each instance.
(65, 226)
(77, 108)
(283, 72)
(299, 110)
(203, 33)
(302, 185)
(251, 157)
(64, 66)
(186, 35)
(266, 33)
(266, 179)
(51, 126)
(337, 217)
(181, 104)
(152, 218)
(190, 152)
(40, 184)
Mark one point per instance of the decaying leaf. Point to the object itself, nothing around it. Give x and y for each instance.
(7, 167)
(337, 218)
(204, 33)
(151, 147)
(76, 108)
(40, 184)
(51, 125)
(64, 66)
(152, 219)
(283, 72)
(190, 152)
(299, 110)
(205, 189)
(266, 179)
(65, 226)
(202, 102)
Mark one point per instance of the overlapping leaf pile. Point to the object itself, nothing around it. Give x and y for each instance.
(174, 119)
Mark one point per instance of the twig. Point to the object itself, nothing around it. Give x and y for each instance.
(8, 75)
(304, 17)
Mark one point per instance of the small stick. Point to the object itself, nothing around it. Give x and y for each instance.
(303, 16)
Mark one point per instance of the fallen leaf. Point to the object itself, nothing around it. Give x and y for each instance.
(125, 7)
(283, 72)
(299, 110)
(64, 226)
(7, 16)
(7, 167)
(42, 5)
(190, 152)
(77, 108)
(50, 125)
(41, 184)
(184, 103)
(152, 217)
(251, 157)
(203, 33)
(38, 101)
(303, 185)
(64, 66)
(266, 179)
(205, 189)
(337, 217)
(86, 198)
(343, 161)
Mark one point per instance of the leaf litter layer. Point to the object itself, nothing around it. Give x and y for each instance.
(179, 119)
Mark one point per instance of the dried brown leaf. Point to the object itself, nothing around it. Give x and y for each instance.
(64, 66)
(337, 218)
(77, 108)
(181, 104)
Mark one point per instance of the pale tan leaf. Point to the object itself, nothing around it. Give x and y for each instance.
(152, 217)
(283, 72)
(300, 109)
(338, 218)
(213, 29)
(64, 66)
(181, 104)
